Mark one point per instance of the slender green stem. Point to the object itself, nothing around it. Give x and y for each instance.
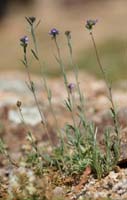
(22, 117)
(108, 85)
(65, 81)
(75, 70)
(61, 64)
(47, 89)
(73, 108)
(32, 89)
(34, 39)
(98, 60)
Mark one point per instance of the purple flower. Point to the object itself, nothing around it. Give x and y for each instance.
(54, 32)
(90, 23)
(71, 87)
(24, 41)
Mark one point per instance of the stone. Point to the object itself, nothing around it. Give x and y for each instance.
(30, 114)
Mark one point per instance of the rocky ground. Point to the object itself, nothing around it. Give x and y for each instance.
(13, 87)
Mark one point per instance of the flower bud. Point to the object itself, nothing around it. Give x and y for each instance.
(90, 23)
(71, 87)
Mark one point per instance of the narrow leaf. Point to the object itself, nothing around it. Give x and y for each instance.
(68, 105)
(34, 54)
(38, 24)
(27, 19)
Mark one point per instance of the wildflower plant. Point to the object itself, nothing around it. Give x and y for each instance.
(77, 146)
(89, 25)
(33, 24)
(54, 34)
(30, 84)
(81, 107)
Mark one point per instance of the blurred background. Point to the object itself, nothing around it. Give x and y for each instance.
(110, 34)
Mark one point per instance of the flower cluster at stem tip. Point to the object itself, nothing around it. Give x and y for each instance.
(54, 32)
(71, 87)
(24, 41)
(90, 23)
